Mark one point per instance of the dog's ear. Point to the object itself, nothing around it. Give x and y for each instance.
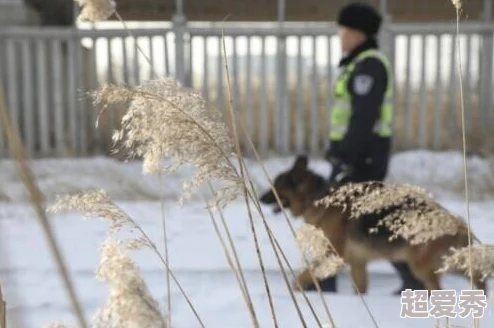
(299, 169)
(301, 163)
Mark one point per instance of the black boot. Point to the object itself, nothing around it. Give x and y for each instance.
(408, 279)
(327, 285)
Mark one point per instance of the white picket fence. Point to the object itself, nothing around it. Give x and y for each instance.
(281, 81)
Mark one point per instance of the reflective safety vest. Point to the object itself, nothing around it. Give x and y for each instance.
(342, 107)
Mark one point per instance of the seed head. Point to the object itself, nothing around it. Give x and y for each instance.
(407, 211)
(482, 260)
(167, 121)
(457, 3)
(97, 204)
(130, 303)
(92, 204)
(95, 10)
(318, 251)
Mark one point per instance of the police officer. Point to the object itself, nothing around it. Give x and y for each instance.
(361, 118)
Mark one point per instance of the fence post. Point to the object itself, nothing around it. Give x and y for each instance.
(486, 75)
(387, 44)
(179, 27)
(282, 111)
(3, 81)
(385, 37)
(3, 310)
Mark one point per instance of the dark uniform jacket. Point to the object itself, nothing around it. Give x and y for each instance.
(364, 152)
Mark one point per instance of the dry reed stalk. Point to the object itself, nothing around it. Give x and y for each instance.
(244, 188)
(277, 248)
(165, 240)
(259, 257)
(98, 204)
(278, 200)
(230, 260)
(316, 283)
(36, 200)
(304, 294)
(247, 194)
(237, 262)
(119, 17)
(3, 310)
(239, 275)
(458, 6)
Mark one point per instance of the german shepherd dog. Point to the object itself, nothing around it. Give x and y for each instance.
(298, 188)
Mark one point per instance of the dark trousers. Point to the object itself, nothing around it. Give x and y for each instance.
(374, 170)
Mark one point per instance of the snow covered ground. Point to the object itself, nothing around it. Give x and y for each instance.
(34, 292)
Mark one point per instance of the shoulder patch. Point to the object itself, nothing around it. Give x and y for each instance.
(362, 84)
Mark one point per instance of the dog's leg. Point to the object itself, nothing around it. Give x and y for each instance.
(359, 275)
(423, 269)
(431, 280)
(303, 280)
(479, 283)
(427, 275)
(408, 279)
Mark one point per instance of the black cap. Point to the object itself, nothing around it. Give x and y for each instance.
(360, 16)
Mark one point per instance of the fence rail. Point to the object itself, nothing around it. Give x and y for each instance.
(281, 75)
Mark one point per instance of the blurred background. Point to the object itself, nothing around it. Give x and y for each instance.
(282, 57)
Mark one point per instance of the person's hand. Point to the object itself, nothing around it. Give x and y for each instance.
(345, 171)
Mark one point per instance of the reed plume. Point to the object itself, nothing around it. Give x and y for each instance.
(95, 10)
(481, 262)
(167, 121)
(408, 212)
(323, 261)
(129, 303)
